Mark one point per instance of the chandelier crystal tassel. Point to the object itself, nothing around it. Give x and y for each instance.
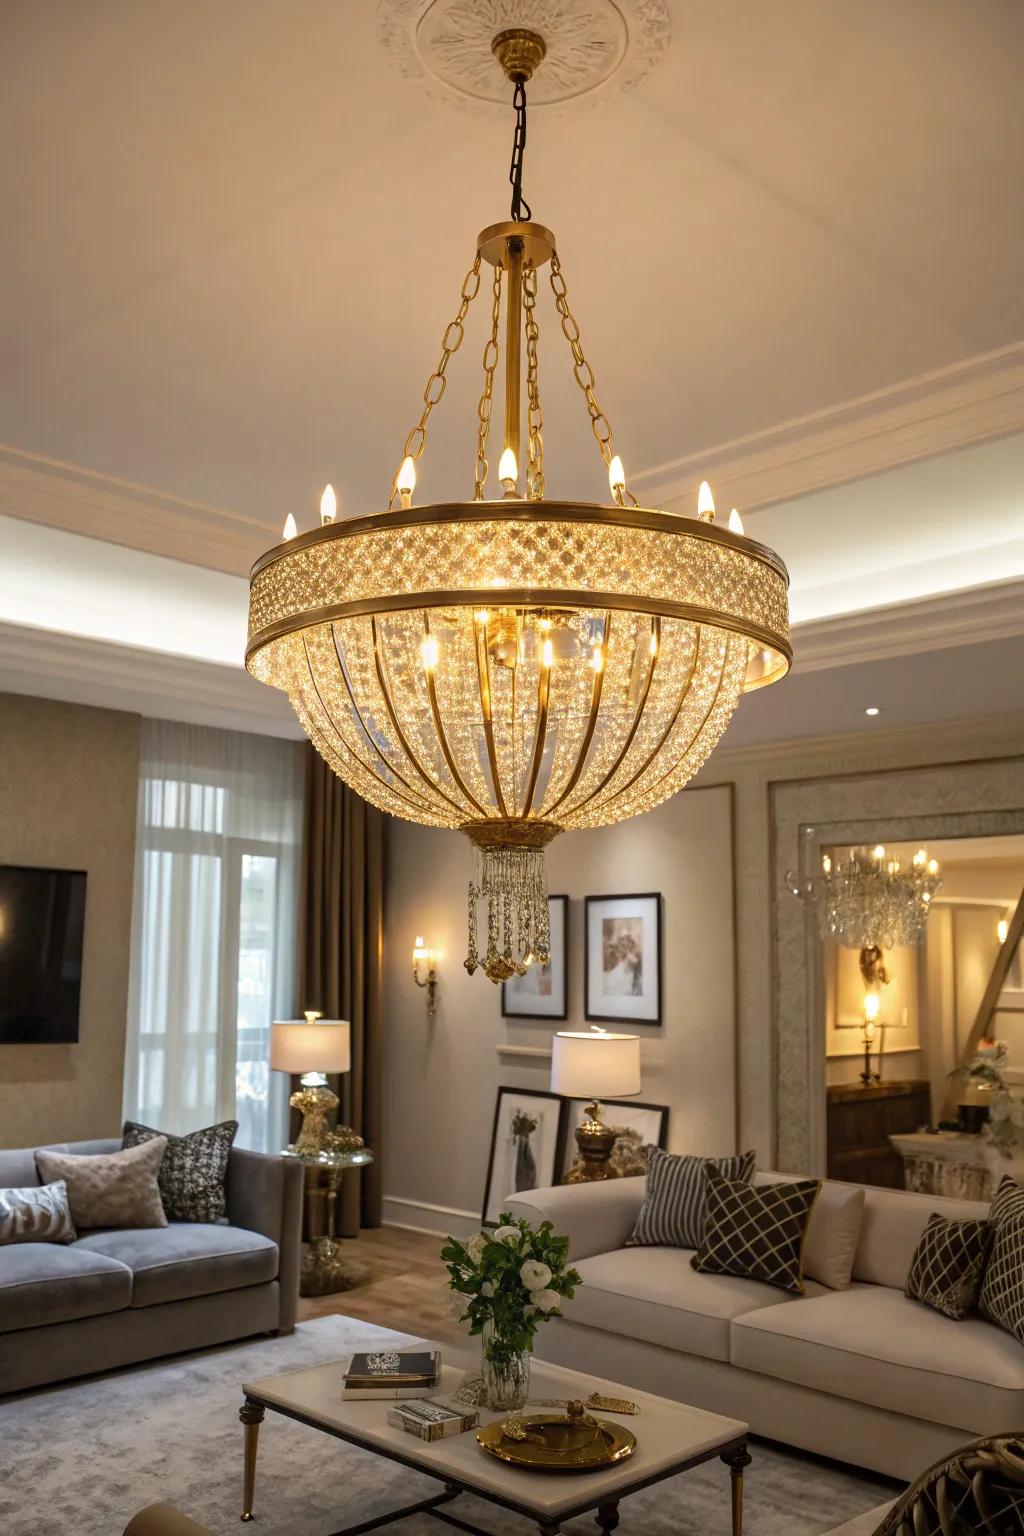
(513, 666)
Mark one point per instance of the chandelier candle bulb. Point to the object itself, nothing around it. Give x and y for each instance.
(328, 506)
(406, 482)
(290, 527)
(437, 698)
(508, 472)
(705, 503)
(735, 522)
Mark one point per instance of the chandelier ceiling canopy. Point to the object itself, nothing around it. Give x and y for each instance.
(513, 666)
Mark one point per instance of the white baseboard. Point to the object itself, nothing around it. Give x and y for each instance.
(421, 1216)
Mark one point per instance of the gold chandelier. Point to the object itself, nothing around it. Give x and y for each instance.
(514, 666)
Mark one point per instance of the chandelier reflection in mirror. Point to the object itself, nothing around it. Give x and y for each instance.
(512, 666)
(868, 898)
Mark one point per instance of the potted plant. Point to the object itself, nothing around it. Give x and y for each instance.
(511, 1280)
(996, 1105)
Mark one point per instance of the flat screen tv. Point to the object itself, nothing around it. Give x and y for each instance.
(42, 925)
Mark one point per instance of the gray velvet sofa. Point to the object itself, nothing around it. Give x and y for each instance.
(115, 1297)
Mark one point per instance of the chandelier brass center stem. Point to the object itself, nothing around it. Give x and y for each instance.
(513, 338)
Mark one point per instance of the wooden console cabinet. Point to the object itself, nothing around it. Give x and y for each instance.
(861, 1120)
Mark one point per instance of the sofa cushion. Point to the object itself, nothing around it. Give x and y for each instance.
(873, 1345)
(1002, 1292)
(193, 1171)
(758, 1233)
(654, 1294)
(50, 1283)
(110, 1189)
(891, 1228)
(675, 1196)
(187, 1259)
(947, 1267)
(832, 1232)
(38, 1213)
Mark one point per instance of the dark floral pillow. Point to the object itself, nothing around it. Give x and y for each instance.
(194, 1169)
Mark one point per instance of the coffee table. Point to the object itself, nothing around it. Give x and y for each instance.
(671, 1438)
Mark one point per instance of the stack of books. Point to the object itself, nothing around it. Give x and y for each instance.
(386, 1375)
(432, 1421)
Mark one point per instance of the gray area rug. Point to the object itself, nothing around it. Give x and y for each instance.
(83, 1458)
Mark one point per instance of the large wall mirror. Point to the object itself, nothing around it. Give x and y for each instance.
(924, 1039)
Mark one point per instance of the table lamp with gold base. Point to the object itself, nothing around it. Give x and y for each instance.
(308, 1049)
(593, 1065)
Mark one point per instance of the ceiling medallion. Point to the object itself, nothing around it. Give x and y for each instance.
(510, 665)
(590, 44)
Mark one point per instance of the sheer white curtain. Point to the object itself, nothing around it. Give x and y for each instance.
(213, 929)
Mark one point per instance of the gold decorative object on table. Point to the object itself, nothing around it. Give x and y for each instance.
(511, 665)
(573, 1442)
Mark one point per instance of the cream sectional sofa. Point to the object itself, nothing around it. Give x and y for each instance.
(860, 1374)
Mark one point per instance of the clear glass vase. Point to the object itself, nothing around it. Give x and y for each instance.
(505, 1371)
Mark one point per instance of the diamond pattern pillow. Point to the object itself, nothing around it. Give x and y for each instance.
(948, 1265)
(1007, 1201)
(672, 1213)
(756, 1231)
(193, 1171)
(1002, 1290)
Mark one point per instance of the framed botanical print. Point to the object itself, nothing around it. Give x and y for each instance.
(622, 958)
(636, 1127)
(543, 993)
(526, 1146)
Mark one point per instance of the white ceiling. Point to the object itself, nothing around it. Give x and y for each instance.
(233, 235)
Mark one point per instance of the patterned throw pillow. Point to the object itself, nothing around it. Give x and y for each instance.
(948, 1263)
(38, 1214)
(672, 1213)
(1002, 1290)
(109, 1189)
(193, 1171)
(1007, 1201)
(756, 1231)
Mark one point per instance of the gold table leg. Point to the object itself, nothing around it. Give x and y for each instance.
(736, 1461)
(325, 1269)
(251, 1415)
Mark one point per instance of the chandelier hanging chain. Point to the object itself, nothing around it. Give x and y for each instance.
(451, 341)
(483, 410)
(520, 207)
(584, 374)
(534, 414)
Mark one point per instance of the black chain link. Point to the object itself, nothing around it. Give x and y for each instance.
(520, 207)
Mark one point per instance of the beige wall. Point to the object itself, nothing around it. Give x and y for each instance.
(68, 783)
(440, 1078)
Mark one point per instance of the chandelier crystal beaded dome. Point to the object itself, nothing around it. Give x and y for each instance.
(513, 666)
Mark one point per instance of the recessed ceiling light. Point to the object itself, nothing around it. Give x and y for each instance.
(872, 709)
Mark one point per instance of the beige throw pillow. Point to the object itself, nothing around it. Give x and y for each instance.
(832, 1232)
(110, 1189)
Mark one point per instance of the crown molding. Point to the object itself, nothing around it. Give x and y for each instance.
(58, 495)
(974, 401)
(970, 616)
(49, 665)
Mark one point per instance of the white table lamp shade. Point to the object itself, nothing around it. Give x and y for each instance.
(595, 1065)
(297, 1046)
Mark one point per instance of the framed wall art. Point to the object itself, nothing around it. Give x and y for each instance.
(526, 1146)
(637, 1127)
(543, 993)
(622, 959)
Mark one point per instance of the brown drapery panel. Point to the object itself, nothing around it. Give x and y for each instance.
(341, 916)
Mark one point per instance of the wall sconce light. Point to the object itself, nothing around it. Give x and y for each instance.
(421, 956)
(1002, 930)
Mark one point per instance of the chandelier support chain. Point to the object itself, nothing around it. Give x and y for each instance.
(534, 414)
(513, 344)
(485, 405)
(451, 341)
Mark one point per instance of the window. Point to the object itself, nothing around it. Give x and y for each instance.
(213, 929)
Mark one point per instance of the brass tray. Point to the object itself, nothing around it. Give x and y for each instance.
(567, 1447)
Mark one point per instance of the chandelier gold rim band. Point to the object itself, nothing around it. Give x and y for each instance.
(516, 667)
(531, 512)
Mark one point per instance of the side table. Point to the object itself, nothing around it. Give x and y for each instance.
(324, 1269)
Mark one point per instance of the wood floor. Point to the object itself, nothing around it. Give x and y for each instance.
(401, 1284)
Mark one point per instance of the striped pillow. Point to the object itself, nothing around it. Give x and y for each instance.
(672, 1213)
